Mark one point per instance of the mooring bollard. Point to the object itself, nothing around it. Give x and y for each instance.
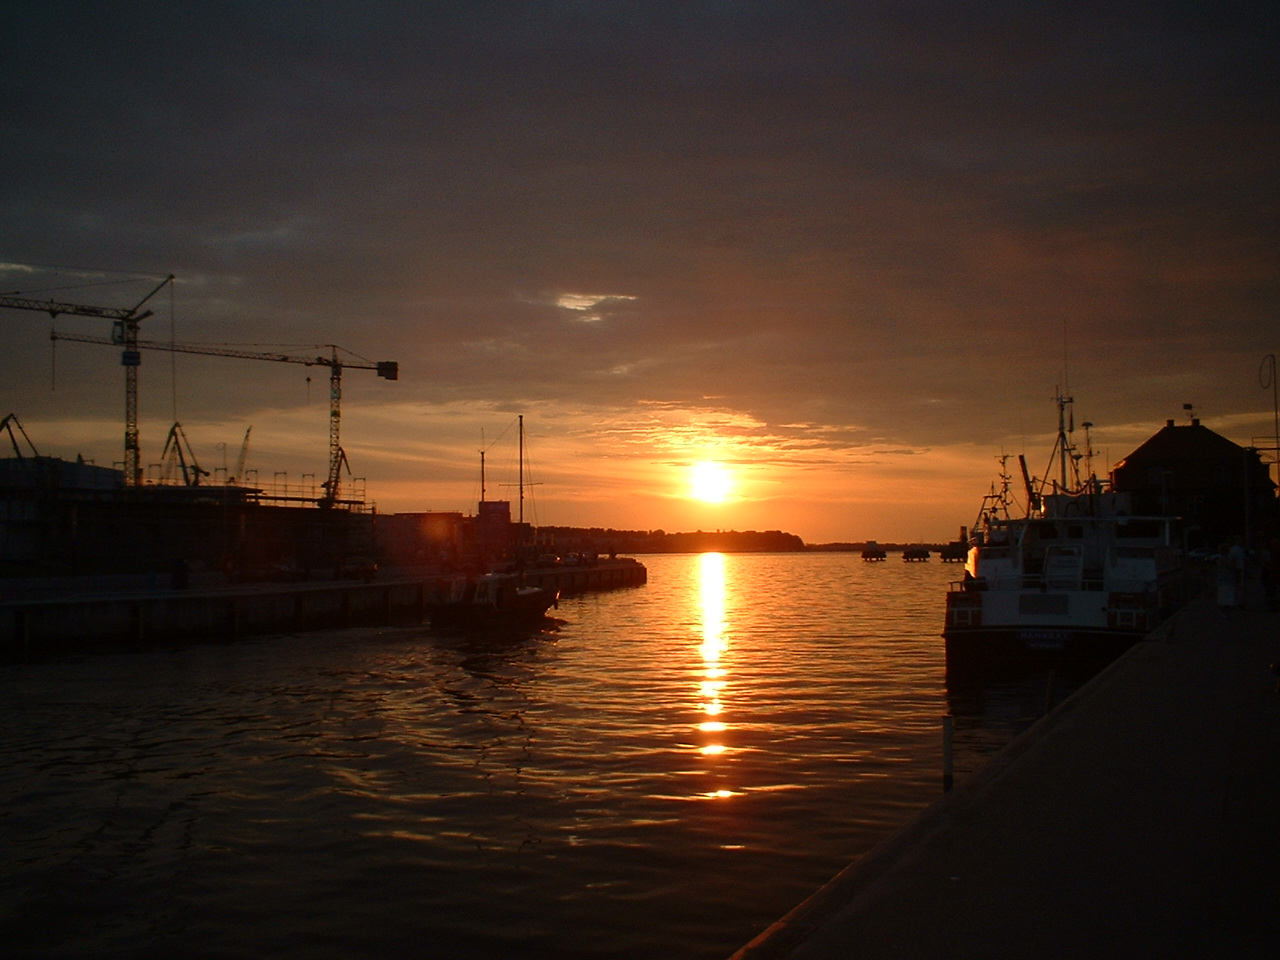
(948, 768)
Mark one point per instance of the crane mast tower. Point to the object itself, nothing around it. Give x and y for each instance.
(125, 335)
(387, 369)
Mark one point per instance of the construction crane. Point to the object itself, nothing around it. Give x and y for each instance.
(238, 476)
(126, 335)
(387, 369)
(179, 458)
(6, 425)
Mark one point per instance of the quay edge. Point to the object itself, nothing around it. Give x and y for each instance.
(44, 625)
(1136, 819)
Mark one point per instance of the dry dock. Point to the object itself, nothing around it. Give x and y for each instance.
(1140, 819)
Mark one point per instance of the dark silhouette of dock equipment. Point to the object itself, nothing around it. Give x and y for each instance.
(387, 369)
(125, 335)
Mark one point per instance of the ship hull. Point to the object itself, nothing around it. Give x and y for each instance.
(1019, 647)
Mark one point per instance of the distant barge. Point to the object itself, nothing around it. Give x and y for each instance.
(35, 627)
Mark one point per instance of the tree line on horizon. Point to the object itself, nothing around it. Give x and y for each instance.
(602, 540)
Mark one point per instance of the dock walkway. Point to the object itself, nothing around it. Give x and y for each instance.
(39, 618)
(1140, 819)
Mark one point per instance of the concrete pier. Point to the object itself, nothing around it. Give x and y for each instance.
(600, 575)
(1140, 819)
(42, 619)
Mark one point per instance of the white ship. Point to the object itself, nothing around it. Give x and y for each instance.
(1075, 577)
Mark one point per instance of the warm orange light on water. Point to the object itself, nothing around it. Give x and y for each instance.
(711, 591)
(711, 597)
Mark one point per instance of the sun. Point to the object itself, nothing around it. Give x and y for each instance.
(710, 482)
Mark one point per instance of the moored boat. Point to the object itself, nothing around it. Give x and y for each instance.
(1076, 577)
(957, 551)
(490, 600)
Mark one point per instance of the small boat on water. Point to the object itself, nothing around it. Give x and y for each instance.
(497, 599)
(1075, 577)
(490, 600)
(957, 551)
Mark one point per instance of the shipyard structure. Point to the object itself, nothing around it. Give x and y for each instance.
(61, 519)
(136, 554)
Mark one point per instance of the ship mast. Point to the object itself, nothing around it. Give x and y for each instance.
(1064, 449)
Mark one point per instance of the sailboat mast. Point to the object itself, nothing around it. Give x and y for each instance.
(521, 417)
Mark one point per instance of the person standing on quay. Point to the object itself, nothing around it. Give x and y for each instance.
(1238, 563)
(1226, 571)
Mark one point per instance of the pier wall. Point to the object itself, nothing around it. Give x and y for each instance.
(44, 626)
(604, 575)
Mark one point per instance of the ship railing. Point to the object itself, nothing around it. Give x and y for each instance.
(1027, 582)
(1041, 582)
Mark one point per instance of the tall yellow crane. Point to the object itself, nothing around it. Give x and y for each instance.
(126, 326)
(387, 369)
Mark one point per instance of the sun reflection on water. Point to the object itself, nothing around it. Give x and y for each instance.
(711, 583)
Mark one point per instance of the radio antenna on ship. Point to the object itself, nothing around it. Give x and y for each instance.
(1062, 449)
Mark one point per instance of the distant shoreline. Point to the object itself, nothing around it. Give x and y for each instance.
(605, 541)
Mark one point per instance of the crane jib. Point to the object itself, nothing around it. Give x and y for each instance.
(124, 334)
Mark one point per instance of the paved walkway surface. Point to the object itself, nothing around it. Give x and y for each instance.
(1139, 819)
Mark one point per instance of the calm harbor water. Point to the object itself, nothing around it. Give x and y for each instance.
(663, 775)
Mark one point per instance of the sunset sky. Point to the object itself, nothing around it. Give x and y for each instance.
(849, 252)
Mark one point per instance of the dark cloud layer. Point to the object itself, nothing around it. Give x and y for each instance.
(818, 213)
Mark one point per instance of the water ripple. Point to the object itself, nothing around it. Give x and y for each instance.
(667, 772)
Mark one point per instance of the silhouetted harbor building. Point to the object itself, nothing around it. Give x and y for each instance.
(63, 518)
(1219, 488)
(451, 540)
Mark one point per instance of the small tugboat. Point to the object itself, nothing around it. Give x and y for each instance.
(1076, 577)
(490, 600)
